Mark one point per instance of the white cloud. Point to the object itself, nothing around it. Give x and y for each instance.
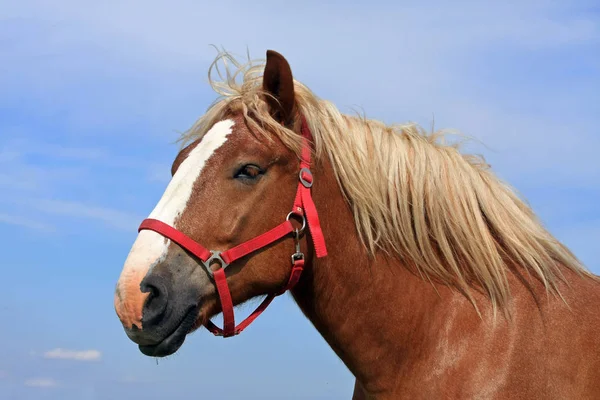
(397, 61)
(22, 145)
(159, 27)
(431, 43)
(25, 222)
(114, 218)
(77, 355)
(42, 382)
(23, 176)
(423, 72)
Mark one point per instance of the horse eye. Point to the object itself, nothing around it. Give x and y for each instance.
(249, 172)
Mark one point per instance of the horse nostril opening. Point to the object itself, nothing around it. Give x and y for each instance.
(154, 292)
(156, 302)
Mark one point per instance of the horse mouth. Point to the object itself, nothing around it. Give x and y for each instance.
(175, 339)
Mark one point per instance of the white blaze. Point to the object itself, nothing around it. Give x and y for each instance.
(150, 247)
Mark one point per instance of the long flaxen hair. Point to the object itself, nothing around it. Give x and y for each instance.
(413, 196)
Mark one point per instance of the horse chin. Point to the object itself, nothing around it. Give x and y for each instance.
(174, 341)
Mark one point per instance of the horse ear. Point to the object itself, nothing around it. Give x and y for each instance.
(278, 83)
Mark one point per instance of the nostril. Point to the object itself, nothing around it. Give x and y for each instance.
(154, 297)
(156, 302)
(154, 291)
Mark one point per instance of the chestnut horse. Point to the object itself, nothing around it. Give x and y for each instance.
(427, 275)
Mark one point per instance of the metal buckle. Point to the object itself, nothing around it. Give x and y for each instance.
(306, 183)
(215, 255)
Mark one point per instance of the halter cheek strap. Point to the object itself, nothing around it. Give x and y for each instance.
(303, 208)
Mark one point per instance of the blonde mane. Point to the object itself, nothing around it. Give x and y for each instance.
(413, 196)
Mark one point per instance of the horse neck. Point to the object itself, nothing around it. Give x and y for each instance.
(371, 311)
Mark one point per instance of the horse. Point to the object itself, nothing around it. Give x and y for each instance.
(427, 275)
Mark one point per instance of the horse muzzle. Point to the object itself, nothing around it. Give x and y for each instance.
(159, 311)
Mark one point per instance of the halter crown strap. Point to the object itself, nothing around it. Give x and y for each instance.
(304, 199)
(303, 207)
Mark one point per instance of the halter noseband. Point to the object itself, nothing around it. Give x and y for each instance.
(304, 208)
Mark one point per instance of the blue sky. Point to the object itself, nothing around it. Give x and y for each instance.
(93, 95)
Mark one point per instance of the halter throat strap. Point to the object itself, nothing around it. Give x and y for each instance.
(303, 208)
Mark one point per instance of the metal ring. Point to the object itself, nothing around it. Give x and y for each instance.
(215, 255)
(303, 221)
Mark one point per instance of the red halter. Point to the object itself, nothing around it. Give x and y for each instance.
(304, 207)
